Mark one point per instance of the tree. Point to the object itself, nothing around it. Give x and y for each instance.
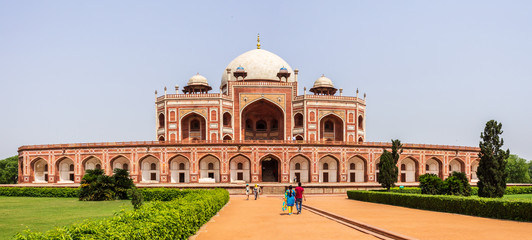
(530, 169)
(388, 171)
(96, 186)
(9, 170)
(122, 183)
(491, 169)
(517, 170)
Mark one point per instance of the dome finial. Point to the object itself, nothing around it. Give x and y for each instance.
(258, 40)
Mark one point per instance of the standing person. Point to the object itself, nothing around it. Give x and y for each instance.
(299, 197)
(290, 198)
(256, 191)
(247, 191)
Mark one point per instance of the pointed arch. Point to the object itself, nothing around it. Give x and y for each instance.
(179, 169)
(65, 170)
(150, 168)
(270, 168)
(329, 168)
(408, 169)
(456, 165)
(120, 161)
(209, 166)
(300, 168)
(434, 165)
(262, 119)
(193, 126)
(39, 170)
(331, 127)
(357, 169)
(240, 167)
(91, 162)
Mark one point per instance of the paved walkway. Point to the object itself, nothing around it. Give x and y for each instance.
(263, 219)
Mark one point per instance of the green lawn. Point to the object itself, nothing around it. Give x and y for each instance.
(41, 214)
(519, 196)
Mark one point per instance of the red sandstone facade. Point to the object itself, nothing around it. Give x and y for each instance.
(257, 129)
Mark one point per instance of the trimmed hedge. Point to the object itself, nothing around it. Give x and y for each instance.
(39, 192)
(164, 194)
(175, 219)
(510, 190)
(474, 206)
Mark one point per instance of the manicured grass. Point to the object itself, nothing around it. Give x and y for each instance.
(519, 196)
(42, 214)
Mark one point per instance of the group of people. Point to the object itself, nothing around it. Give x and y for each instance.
(291, 197)
(256, 191)
(294, 196)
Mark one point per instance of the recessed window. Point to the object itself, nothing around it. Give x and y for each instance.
(261, 125)
(328, 126)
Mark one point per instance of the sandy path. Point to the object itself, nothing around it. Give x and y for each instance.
(420, 223)
(263, 219)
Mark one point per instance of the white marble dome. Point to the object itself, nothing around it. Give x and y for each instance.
(323, 82)
(198, 80)
(259, 64)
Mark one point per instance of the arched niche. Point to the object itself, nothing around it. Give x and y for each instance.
(40, 170)
(331, 128)
(65, 170)
(434, 166)
(91, 163)
(150, 169)
(270, 169)
(408, 169)
(262, 120)
(179, 169)
(193, 127)
(209, 169)
(120, 162)
(456, 165)
(240, 167)
(299, 169)
(328, 169)
(356, 170)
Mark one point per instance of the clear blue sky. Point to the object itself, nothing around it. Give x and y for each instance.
(434, 72)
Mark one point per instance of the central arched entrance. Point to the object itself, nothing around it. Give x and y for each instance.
(262, 120)
(270, 170)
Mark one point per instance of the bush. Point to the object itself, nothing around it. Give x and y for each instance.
(175, 219)
(136, 198)
(123, 183)
(481, 207)
(9, 170)
(164, 194)
(96, 186)
(457, 184)
(430, 184)
(39, 192)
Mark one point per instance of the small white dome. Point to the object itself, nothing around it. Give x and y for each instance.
(259, 64)
(198, 80)
(323, 82)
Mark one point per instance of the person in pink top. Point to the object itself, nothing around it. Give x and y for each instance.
(299, 197)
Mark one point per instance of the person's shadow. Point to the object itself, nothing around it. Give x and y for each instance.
(283, 214)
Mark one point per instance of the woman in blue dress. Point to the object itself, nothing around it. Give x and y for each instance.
(289, 199)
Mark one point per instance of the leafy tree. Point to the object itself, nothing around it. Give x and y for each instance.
(517, 170)
(530, 169)
(457, 184)
(491, 169)
(122, 183)
(137, 199)
(96, 186)
(388, 171)
(430, 184)
(9, 170)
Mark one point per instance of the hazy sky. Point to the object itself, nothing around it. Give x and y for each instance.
(434, 72)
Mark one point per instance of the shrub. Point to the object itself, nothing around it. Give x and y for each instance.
(39, 192)
(457, 184)
(9, 170)
(430, 184)
(414, 190)
(136, 198)
(164, 194)
(96, 186)
(482, 207)
(175, 219)
(123, 183)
